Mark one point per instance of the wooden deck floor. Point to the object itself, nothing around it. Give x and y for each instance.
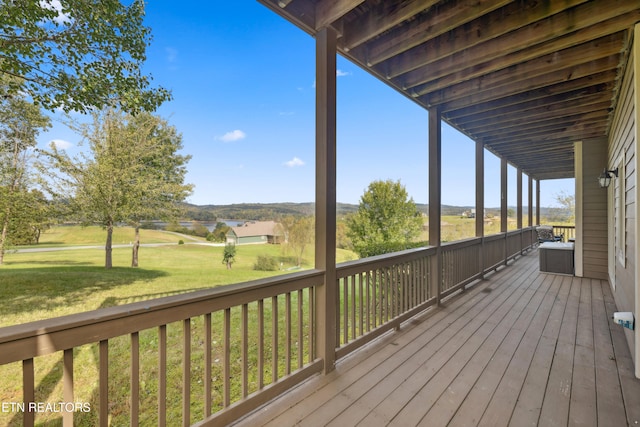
(520, 348)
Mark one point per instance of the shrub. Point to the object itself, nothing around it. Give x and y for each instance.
(181, 242)
(266, 263)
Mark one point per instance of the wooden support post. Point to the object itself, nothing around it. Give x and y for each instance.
(480, 203)
(530, 201)
(519, 196)
(537, 202)
(503, 205)
(519, 208)
(435, 197)
(532, 237)
(325, 258)
(503, 195)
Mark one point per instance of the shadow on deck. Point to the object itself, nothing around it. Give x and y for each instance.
(520, 348)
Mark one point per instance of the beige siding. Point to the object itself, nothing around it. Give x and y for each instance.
(622, 152)
(594, 211)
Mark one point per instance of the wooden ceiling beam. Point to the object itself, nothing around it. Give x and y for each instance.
(528, 123)
(598, 92)
(573, 133)
(380, 18)
(544, 130)
(558, 63)
(559, 88)
(551, 35)
(329, 11)
(538, 83)
(421, 42)
(426, 26)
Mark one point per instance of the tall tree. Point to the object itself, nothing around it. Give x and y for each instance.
(132, 172)
(387, 220)
(77, 54)
(299, 233)
(20, 123)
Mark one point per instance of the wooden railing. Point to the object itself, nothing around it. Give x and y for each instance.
(232, 348)
(209, 357)
(377, 294)
(567, 232)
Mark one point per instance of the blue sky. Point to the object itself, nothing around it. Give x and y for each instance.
(242, 79)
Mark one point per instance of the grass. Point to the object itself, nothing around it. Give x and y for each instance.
(41, 285)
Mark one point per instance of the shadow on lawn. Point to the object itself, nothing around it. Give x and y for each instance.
(44, 289)
(46, 386)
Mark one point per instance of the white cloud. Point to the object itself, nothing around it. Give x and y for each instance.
(294, 162)
(55, 5)
(61, 144)
(234, 135)
(339, 73)
(172, 54)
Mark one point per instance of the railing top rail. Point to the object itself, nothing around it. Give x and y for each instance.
(46, 336)
(459, 244)
(352, 267)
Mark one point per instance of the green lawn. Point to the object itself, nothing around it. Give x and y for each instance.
(40, 285)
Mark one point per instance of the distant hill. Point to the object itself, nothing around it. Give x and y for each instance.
(269, 211)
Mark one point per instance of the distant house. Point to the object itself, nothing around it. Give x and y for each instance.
(255, 232)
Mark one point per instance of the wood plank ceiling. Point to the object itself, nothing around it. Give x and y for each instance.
(526, 78)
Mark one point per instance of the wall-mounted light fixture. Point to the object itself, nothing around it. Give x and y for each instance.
(605, 178)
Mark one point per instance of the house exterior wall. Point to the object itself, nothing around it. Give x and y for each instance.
(243, 240)
(621, 194)
(591, 242)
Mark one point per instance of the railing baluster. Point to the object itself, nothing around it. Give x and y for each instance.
(345, 309)
(274, 339)
(377, 306)
(28, 391)
(353, 307)
(245, 350)
(104, 383)
(135, 378)
(361, 303)
(186, 372)
(300, 328)
(312, 323)
(226, 370)
(162, 375)
(260, 344)
(67, 385)
(207, 364)
(287, 335)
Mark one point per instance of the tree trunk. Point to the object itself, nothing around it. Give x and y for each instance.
(136, 248)
(108, 249)
(5, 232)
(3, 239)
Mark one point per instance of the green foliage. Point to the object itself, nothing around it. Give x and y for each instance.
(78, 54)
(298, 234)
(387, 220)
(132, 174)
(219, 234)
(229, 255)
(266, 263)
(181, 242)
(199, 229)
(567, 210)
(22, 211)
